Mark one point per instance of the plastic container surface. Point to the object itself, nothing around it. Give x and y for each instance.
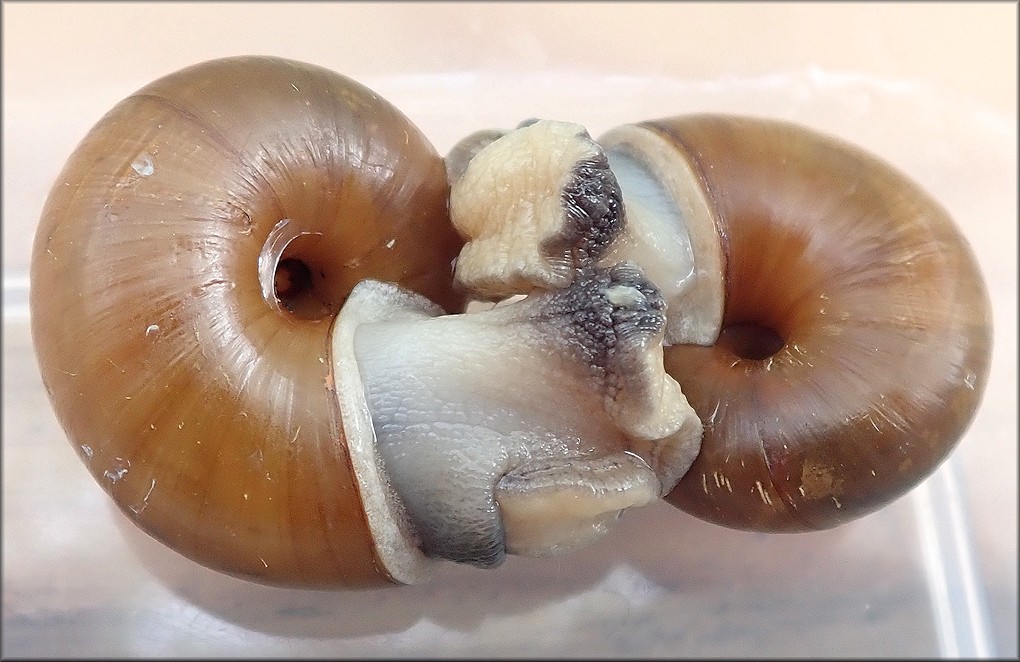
(929, 575)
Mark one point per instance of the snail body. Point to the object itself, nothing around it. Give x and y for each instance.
(242, 307)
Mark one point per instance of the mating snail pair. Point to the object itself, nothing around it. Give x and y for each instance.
(248, 293)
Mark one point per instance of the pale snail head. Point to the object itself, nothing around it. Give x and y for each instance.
(247, 297)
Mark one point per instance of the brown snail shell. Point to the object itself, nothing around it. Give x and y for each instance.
(855, 336)
(188, 265)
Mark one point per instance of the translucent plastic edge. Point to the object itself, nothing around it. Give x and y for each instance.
(957, 594)
(15, 293)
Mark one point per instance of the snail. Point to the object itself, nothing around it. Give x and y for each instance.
(248, 295)
(243, 310)
(187, 266)
(825, 318)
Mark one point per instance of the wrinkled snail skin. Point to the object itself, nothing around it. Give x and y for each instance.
(856, 335)
(188, 265)
(484, 466)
